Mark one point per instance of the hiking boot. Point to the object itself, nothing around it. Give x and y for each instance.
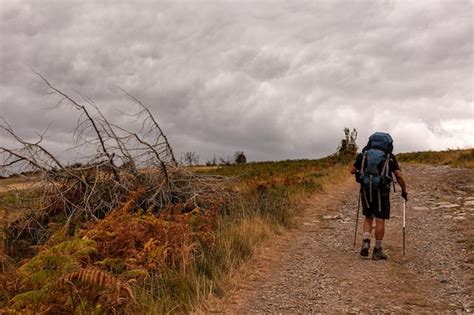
(378, 254)
(364, 251)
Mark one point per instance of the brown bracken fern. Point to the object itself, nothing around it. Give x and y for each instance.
(103, 280)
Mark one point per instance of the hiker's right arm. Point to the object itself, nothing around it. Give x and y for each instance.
(401, 181)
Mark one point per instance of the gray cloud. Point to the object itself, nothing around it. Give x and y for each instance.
(276, 79)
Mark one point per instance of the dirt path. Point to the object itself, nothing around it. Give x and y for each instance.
(316, 269)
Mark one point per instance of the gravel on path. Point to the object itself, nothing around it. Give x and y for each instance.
(316, 269)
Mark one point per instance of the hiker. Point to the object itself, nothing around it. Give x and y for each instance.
(374, 169)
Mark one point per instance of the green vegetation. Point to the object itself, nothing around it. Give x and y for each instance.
(265, 205)
(171, 262)
(268, 172)
(455, 158)
(127, 229)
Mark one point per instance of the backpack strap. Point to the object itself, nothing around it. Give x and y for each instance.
(365, 198)
(386, 167)
(380, 202)
(364, 159)
(370, 187)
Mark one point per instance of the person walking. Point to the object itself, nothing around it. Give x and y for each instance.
(374, 169)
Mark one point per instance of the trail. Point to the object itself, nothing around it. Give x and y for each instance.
(316, 269)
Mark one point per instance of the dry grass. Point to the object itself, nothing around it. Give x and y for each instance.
(455, 158)
(247, 222)
(17, 183)
(173, 260)
(125, 229)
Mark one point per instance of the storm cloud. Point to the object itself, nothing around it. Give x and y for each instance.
(276, 79)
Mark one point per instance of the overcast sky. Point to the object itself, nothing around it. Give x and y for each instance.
(275, 79)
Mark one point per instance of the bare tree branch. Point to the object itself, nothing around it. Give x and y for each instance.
(94, 184)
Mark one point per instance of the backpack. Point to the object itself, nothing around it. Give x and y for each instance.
(374, 174)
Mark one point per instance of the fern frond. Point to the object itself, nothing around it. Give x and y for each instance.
(29, 298)
(40, 278)
(84, 252)
(98, 278)
(63, 254)
(74, 246)
(46, 260)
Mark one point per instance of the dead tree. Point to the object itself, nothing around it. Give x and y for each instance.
(191, 158)
(123, 161)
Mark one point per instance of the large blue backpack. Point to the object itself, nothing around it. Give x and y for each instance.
(374, 174)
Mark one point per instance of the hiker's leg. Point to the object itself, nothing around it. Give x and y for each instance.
(369, 218)
(368, 224)
(380, 218)
(379, 229)
(364, 251)
(378, 254)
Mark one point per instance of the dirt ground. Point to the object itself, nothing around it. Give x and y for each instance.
(316, 269)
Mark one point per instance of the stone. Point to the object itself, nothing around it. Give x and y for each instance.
(420, 208)
(469, 203)
(442, 203)
(331, 217)
(448, 206)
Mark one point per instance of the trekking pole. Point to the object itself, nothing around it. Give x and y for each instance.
(357, 219)
(404, 228)
(393, 182)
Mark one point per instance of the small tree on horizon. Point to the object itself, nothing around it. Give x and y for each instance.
(240, 158)
(348, 147)
(225, 160)
(191, 158)
(212, 162)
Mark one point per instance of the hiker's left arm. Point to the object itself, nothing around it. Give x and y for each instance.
(357, 164)
(353, 169)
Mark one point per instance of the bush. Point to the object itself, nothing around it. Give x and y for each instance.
(239, 157)
(347, 150)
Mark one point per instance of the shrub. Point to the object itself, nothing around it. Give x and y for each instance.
(239, 157)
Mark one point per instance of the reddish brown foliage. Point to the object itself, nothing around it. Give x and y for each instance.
(147, 241)
(101, 280)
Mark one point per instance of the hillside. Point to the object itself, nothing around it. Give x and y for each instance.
(138, 259)
(454, 158)
(291, 221)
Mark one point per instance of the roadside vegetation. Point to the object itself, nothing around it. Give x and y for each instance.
(137, 261)
(454, 158)
(127, 230)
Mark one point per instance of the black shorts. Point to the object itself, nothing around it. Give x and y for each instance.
(371, 208)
